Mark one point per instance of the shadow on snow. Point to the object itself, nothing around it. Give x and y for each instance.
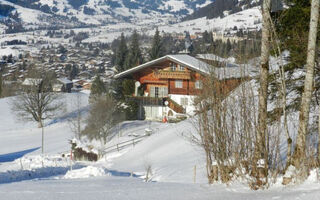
(39, 173)
(15, 155)
(69, 116)
(122, 174)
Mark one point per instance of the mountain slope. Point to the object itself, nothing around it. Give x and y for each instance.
(221, 8)
(106, 11)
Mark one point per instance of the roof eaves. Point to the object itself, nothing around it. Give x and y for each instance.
(134, 69)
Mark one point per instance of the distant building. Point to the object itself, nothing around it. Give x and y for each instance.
(225, 37)
(31, 82)
(62, 85)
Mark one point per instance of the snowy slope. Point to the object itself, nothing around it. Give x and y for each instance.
(246, 19)
(118, 175)
(104, 12)
(170, 154)
(27, 15)
(16, 135)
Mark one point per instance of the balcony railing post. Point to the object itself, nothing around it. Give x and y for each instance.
(173, 74)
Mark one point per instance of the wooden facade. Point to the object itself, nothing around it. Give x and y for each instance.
(165, 75)
(174, 81)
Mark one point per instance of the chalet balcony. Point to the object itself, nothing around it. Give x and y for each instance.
(157, 101)
(163, 74)
(154, 101)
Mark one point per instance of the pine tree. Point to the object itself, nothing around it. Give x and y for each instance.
(228, 47)
(293, 29)
(121, 54)
(73, 72)
(157, 50)
(97, 88)
(134, 57)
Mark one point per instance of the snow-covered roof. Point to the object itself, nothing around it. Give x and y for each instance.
(193, 64)
(31, 81)
(185, 60)
(65, 81)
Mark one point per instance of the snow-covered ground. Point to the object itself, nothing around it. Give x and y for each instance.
(246, 19)
(171, 156)
(119, 188)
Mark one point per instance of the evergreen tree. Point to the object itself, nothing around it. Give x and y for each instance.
(117, 89)
(73, 72)
(128, 87)
(134, 57)
(228, 47)
(121, 54)
(157, 50)
(207, 38)
(293, 28)
(97, 88)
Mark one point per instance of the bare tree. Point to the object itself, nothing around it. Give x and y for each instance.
(261, 151)
(282, 89)
(76, 121)
(226, 126)
(300, 149)
(102, 118)
(37, 102)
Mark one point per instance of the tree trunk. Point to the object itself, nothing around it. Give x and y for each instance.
(300, 150)
(40, 125)
(261, 149)
(285, 119)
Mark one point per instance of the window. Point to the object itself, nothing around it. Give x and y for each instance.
(198, 84)
(156, 92)
(184, 101)
(178, 84)
(181, 68)
(163, 91)
(173, 66)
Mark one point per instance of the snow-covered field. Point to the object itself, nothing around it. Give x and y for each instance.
(25, 174)
(246, 19)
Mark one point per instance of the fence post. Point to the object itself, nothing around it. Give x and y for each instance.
(118, 147)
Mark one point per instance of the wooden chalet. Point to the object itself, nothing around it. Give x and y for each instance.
(168, 85)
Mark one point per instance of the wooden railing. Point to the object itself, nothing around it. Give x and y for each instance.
(172, 74)
(175, 106)
(156, 101)
(122, 145)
